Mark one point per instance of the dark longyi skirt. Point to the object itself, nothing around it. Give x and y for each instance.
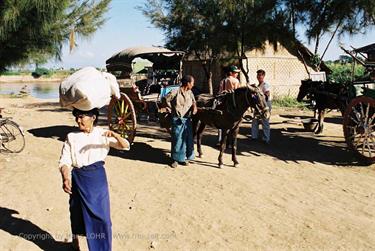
(89, 206)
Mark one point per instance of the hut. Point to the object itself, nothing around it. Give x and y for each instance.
(285, 67)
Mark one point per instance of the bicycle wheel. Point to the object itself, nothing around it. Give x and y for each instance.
(11, 137)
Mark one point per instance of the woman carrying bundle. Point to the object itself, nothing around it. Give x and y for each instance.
(84, 178)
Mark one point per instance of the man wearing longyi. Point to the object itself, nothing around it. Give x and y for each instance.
(84, 179)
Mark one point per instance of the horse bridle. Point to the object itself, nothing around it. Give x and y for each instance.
(259, 111)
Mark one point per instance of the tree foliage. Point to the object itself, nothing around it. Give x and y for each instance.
(190, 25)
(250, 23)
(226, 29)
(217, 30)
(343, 72)
(334, 17)
(35, 30)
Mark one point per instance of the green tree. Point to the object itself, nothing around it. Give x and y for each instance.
(250, 24)
(334, 17)
(343, 72)
(218, 30)
(190, 25)
(35, 30)
(226, 29)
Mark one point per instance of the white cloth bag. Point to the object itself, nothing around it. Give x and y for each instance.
(88, 88)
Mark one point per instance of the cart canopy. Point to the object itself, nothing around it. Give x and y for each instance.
(370, 51)
(161, 58)
(366, 49)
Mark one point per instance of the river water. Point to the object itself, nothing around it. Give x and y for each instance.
(42, 90)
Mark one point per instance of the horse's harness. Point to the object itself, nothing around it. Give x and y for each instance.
(233, 107)
(341, 97)
(258, 110)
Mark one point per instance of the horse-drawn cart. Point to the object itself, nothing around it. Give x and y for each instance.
(143, 96)
(359, 116)
(355, 99)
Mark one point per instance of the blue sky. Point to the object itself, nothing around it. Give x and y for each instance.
(126, 27)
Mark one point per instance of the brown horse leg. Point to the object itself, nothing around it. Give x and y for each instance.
(234, 134)
(199, 139)
(194, 124)
(222, 146)
(320, 121)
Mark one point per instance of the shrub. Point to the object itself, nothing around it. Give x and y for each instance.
(42, 72)
(342, 72)
(287, 101)
(11, 73)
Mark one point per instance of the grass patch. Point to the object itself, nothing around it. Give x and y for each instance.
(11, 73)
(287, 101)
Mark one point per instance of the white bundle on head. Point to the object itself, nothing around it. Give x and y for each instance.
(88, 88)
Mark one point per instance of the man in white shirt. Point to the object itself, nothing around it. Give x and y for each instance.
(266, 89)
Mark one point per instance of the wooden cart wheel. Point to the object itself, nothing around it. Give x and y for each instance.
(359, 122)
(122, 118)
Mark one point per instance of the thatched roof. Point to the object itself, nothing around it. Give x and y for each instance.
(295, 48)
(307, 55)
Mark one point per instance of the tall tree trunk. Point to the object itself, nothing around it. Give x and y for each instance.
(245, 71)
(209, 83)
(316, 44)
(209, 76)
(317, 63)
(207, 68)
(333, 35)
(293, 17)
(241, 55)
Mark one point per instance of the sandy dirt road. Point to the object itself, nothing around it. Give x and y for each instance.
(302, 192)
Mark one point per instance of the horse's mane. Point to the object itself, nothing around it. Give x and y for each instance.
(207, 100)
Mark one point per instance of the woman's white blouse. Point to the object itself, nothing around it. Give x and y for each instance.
(82, 149)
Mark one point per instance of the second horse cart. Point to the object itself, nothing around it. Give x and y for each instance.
(359, 116)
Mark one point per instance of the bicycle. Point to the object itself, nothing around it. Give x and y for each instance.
(12, 137)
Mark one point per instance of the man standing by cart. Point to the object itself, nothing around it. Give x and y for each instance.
(182, 104)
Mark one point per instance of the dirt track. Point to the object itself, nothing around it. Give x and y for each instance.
(301, 192)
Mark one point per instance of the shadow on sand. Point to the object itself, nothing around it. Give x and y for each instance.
(29, 231)
(143, 152)
(292, 144)
(338, 120)
(58, 132)
(288, 144)
(139, 150)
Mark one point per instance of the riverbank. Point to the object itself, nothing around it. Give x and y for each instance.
(29, 79)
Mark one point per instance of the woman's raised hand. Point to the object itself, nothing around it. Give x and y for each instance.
(110, 133)
(122, 143)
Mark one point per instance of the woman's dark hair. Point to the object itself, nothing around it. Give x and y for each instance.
(186, 79)
(76, 112)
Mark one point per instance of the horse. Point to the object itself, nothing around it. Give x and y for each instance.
(225, 112)
(324, 95)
